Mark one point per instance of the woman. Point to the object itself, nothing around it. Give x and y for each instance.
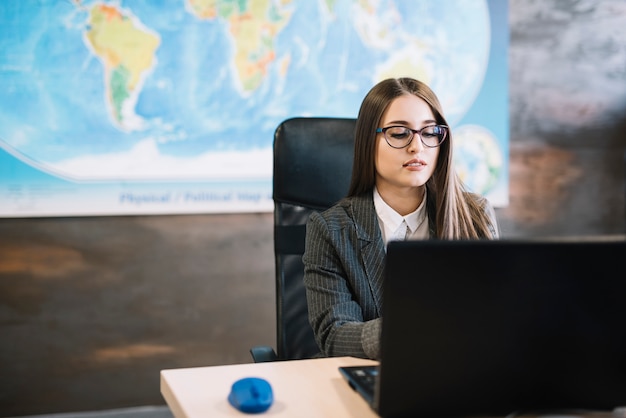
(403, 187)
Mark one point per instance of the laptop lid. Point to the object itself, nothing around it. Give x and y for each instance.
(493, 327)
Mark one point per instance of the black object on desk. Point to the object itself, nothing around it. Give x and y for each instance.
(494, 327)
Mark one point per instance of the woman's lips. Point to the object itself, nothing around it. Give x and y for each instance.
(414, 163)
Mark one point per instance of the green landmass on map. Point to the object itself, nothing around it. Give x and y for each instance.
(127, 52)
(253, 26)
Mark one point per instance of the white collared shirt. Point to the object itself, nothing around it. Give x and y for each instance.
(393, 226)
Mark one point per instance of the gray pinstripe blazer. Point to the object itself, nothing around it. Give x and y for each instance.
(343, 275)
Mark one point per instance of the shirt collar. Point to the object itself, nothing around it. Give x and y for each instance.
(415, 219)
(390, 218)
(393, 219)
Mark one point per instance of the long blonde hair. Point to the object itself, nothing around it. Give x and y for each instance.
(454, 212)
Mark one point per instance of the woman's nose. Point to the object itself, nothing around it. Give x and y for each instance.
(416, 145)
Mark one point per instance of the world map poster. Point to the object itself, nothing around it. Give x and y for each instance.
(117, 107)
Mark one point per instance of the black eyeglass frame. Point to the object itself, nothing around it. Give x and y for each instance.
(446, 130)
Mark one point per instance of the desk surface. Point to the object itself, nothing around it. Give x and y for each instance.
(302, 388)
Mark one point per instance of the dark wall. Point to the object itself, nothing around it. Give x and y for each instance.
(568, 118)
(91, 309)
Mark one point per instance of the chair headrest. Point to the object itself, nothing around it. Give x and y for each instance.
(313, 161)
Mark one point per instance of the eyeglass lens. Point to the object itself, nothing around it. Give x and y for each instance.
(401, 136)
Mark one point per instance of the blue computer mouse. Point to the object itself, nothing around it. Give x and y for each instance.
(251, 395)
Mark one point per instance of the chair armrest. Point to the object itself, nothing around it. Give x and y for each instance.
(262, 353)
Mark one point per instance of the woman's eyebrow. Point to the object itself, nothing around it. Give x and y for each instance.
(403, 122)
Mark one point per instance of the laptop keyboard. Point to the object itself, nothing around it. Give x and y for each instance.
(367, 377)
(362, 379)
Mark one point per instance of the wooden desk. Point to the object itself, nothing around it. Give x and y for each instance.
(302, 388)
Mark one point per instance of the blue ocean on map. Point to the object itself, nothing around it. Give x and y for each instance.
(194, 113)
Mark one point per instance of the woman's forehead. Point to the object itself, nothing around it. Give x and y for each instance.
(408, 108)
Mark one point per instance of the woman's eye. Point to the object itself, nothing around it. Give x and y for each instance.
(402, 134)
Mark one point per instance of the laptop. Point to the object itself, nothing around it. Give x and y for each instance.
(497, 327)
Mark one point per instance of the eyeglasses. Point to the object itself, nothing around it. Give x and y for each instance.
(400, 136)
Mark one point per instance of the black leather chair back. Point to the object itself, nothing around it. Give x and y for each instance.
(312, 170)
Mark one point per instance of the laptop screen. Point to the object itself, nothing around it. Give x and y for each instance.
(493, 327)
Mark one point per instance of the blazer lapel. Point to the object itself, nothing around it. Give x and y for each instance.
(372, 247)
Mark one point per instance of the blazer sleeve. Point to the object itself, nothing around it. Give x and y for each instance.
(338, 293)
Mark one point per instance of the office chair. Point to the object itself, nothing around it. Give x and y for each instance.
(312, 171)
